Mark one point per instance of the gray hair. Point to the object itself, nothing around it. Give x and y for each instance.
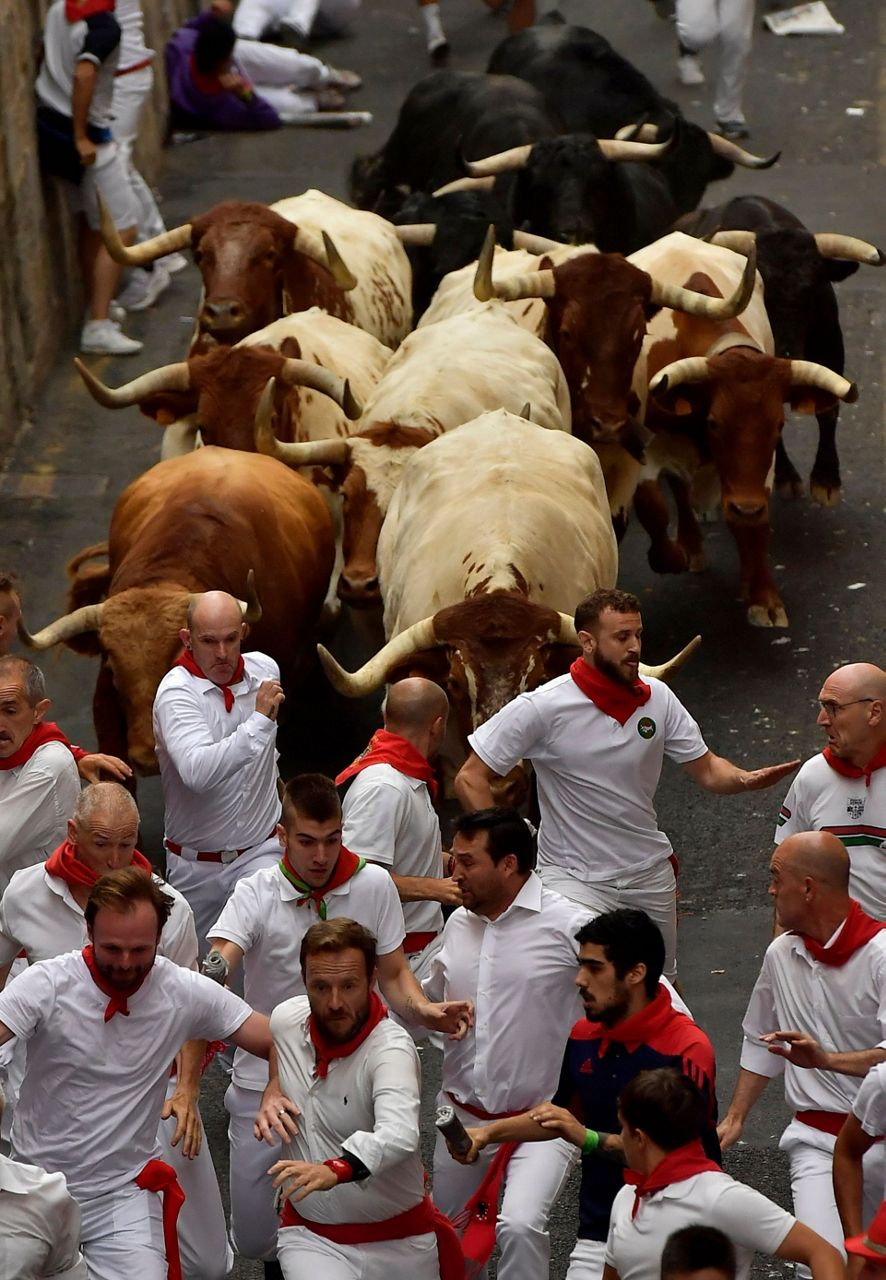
(104, 798)
(30, 675)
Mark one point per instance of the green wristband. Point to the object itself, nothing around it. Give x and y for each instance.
(591, 1142)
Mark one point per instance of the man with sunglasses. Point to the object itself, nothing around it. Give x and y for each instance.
(843, 788)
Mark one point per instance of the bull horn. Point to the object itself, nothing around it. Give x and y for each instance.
(87, 618)
(141, 255)
(250, 608)
(701, 304)
(322, 249)
(831, 245)
(534, 284)
(645, 132)
(501, 162)
(818, 375)
(619, 149)
(465, 184)
(678, 373)
(304, 373)
(170, 377)
(673, 664)
(567, 633)
(417, 233)
(317, 453)
(732, 151)
(537, 244)
(738, 241)
(356, 684)
(526, 411)
(343, 277)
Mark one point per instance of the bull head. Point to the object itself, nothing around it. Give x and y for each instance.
(719, 145)
(828, 243)
(519, 157)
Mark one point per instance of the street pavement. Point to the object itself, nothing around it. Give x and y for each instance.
(821, 102)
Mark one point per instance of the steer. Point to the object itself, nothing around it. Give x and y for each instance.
(716, 395)
(442, 376)
(261, 262)
(194, 524)
(799, 270)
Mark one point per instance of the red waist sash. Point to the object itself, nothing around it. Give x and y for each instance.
(159, 1176)
(825, 1121)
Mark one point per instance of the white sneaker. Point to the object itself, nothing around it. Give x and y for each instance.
(689, 70)
(103, 338)
(144, 288)
(175, 262)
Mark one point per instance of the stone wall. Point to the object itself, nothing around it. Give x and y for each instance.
(40, 295)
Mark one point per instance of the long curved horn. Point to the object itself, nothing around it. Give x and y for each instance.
(356, 684)
(87, 618)
(343, 277)
(818, 375)
(645, 132)
(322, 249)
(170, 377)
(502, 162)
(304, 373)
(732, 151)
(250, 608)
(140, 255)
(618, 149)
(417, 233)
(666, 669)
(537, 244)
(680, 372)
(701, 304)
(737, 241)
(465, 184)
(831, 245)
(534, 284)
(317, 453)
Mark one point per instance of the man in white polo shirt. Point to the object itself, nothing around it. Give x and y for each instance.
(817, 1014)
(95, 1081)
(215, 725)
(597, 738)
(263, 925)
(843, 788)
(389, 814)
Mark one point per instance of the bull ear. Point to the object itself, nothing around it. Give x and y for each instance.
(291, 348)
(681, 400)
(837, 269)
(805, 399)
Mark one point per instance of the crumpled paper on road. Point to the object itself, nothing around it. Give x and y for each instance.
(813, 19)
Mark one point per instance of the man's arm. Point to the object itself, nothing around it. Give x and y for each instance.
(402, 991)
(254, 1035)
(473, 784)
(277, 1113)
(852, 1144)
(85, 78)
(5, 1033)
(802, 1244)
(425, 888)
(804, 1051)
(92, 764)
(724, 778)
(200, 761)
(748, 1090)
(183, 1104)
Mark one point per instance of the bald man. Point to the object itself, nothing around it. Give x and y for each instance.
(817, 1015)
(389, 814)
(843, 788)
(10, 610)
(215, 726)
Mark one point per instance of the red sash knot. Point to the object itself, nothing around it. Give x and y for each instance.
(159, 1176)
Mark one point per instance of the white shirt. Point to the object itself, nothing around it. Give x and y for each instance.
(750, 1221)
(39, 1225)
(132, 33)
(820, 799)
(64, 45)
(368, 1103)
(218, 767)
(263, 918)
(389, 818)
(842, 1006)
(869, 1106)
(520, 972)
(93, 1090)
(596, 778)
(39, 914)
(36, 801)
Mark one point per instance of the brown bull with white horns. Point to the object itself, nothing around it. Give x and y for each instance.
(193, 524)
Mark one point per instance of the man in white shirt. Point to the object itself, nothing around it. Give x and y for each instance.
(510, 949)
(389, 814)
(345, 1096)
(263, 924)
(817, 1014)
(597, 738)
(865, 1125)
(215, 726)
(95, 1082)
(39, 1224)
(675, 1185)
(10, 610)
(843, 788)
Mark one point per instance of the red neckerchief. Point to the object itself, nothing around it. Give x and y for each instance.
(186, 660)
(389, 748)
(639, 1028)
(65, 865)
(38, 737)
(118, 999)
(617, 700)
(327, 1050)
(685, 1162)
(77, 10)
(160, 1177)
(347, 865)
(853, 771)
(858, 928)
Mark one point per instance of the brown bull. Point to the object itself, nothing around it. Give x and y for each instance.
(193, 524)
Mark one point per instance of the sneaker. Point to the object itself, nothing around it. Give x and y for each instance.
(144, 288)
(103, 338)
(733, 130)
(341, 79)
(689, 70)
(175, 262)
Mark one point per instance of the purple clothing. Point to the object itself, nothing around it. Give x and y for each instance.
(195, 108)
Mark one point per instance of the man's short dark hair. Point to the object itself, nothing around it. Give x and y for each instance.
(506, 832)
(697, 1249)
(666, 1105)
(588, 610)
(121, 892)
(627, 937)
(338, 935)
(313, 795)
(214, 45)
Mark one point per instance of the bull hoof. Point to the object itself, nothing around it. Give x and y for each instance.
(791, 487)
(826, 495)
(761, 615)
(697, 562)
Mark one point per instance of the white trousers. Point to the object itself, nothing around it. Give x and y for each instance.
(534, 1179)
(586, 1260)
(255, 18)
(208, 885)
(700, 23)
(131, 92)
(811, 1156)
(254, 1219)
(280, 74)
(653, 891)
(305, 1256)
(121, 1235)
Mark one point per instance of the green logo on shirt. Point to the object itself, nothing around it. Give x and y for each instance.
(646, 727)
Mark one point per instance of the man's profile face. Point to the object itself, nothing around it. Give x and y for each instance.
(604, 995)
(338, 988)
(483, 883)
(613, 646)
(215, 642)
(104, 841)
(17, 716)
(311, 847)
(125, 944)
(787, 891)
(845, 720)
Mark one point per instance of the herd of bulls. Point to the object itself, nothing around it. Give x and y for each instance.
(470, 475)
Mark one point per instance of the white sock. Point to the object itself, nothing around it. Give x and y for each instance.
(433, 25)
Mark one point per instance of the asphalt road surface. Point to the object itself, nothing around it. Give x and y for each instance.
(821, 101)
